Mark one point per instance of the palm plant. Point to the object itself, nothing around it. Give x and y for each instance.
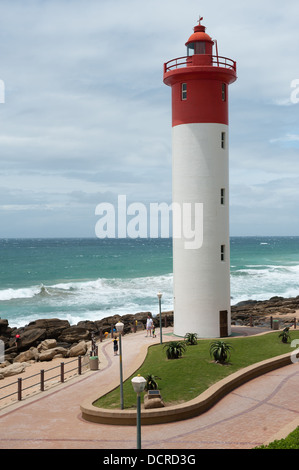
(175, 349)
(191, 338)
(220, 350)
(284, 335)
(151, 382)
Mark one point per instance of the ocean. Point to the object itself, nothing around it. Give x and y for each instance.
(89, 279)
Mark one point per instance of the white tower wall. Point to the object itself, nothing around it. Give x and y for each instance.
(201, 277)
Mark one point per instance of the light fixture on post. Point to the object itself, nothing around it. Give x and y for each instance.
(138, 385)
(159, 297)
(120, 328)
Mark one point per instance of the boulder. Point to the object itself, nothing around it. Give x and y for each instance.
(74, 334)
(78, 350)
(152, 403)
(29, 337)
(49, 354)
(47, 344)
(29, 355)
(13, 369)
(4, 364)
(3, 326)
(88, 325)
(53, 326)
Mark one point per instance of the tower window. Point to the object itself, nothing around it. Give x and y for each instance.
(222, 196)
(184, 91)
(222, 254)
(223, 140)
(223, 91)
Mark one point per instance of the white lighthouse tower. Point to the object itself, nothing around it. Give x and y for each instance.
(199, 84)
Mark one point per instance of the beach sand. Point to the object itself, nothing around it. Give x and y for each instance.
(31, 375)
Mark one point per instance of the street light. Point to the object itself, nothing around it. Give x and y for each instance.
(159, 297)
(119, 328)
(138, 385)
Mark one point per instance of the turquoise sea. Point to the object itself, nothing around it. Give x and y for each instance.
(79, 279)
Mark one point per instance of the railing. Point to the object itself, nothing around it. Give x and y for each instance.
(41, 382)
(216, 61)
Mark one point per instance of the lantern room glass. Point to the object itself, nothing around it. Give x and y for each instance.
(198, 47)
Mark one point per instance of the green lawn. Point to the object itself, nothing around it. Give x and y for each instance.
(185, 378)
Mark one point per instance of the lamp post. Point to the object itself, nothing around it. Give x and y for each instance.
(138, 385)
(159, 297)
(119, 328)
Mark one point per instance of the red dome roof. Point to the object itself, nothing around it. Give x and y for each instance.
(199, 34)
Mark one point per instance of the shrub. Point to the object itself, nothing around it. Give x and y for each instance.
(191, 338)
(174, 349)
(151, 382)
(220, 351)
(284, 335)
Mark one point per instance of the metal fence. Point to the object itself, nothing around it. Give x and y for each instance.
(40, 384)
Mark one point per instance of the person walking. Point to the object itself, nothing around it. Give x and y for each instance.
(149, 325)
(115, 347)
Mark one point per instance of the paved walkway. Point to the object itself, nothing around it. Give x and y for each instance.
(247, 417)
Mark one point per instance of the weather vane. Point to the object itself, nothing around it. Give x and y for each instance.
(200, 18)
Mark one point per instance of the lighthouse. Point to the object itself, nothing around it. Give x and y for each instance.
(200, 180)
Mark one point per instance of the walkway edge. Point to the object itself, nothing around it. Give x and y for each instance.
(185, 410)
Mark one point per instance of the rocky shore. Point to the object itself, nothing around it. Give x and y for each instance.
(259, 313)
(44, 339)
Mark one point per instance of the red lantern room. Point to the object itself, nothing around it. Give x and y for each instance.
(199, 81)
(199, 42)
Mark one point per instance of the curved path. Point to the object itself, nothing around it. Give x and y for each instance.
(247, 417)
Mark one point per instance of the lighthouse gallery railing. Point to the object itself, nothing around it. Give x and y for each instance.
(216, 61)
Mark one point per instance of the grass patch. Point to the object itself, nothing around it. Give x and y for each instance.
(185, 378)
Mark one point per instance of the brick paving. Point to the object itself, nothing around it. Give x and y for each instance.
(247, 417)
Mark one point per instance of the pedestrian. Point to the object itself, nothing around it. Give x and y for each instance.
(154, 332)
(18, 340)
(149, 325)
(115, 347)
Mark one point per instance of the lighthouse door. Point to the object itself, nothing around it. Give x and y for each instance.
(223, 323)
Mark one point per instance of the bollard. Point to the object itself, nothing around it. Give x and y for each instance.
(101, 335)
(79, 365)
(250, 320)
(62, 372)
(42, 380)
(295, 323)
(20, 389)
(271, 323)
(165, 319)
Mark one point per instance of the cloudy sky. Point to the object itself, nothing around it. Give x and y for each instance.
(87, 117)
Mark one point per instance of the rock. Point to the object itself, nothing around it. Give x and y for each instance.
(53, 326)
(30, 337)
(3, 326)
(151, 403)
(13, 369)
(47, 344)
(25, 356)
(88, 325)
(4, 364)
(74, 334)
(78, 350)
(49, 354)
